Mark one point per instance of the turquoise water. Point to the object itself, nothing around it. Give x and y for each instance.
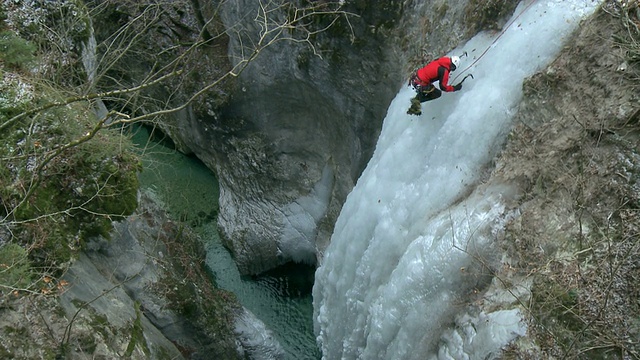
(281, 299)
(274, 299)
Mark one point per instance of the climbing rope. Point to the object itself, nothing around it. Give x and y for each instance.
(495, 40)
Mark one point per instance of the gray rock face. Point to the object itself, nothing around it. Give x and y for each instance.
(113, 278)
(295, 136)
(291, 134)
(292, 141)
(111, 302)
(257, 340)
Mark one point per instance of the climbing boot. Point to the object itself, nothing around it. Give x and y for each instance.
(416, 107)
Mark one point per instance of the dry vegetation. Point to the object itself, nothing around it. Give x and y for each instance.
(575, 152)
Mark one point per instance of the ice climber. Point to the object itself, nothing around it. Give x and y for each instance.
(423, 79)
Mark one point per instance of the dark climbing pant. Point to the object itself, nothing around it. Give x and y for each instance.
(430, 93)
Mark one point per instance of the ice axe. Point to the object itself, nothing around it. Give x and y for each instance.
(465, 78)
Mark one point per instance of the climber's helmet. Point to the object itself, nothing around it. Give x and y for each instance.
(455, 61)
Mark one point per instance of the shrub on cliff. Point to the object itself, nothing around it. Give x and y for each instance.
(15, 269)
(52, 198)
(15, 51)
(61, 180)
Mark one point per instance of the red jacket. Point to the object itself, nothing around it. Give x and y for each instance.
(437, 70)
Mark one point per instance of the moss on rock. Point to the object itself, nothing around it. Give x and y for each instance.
(53, 199)
(488, 14)
(191, 293)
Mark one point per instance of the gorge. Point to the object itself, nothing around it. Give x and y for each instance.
(501, 223)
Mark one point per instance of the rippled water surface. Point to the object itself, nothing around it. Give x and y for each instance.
(281, 299)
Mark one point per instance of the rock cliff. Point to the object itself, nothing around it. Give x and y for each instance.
(298, 128)
(288, 137)
(141, 294)
(294, 136)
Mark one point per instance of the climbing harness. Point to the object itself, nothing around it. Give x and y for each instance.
(415, 83)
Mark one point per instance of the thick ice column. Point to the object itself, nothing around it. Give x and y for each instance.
(391, 283)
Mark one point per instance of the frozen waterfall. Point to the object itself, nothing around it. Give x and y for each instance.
(394, 282)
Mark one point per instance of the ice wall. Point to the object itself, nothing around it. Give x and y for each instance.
(400, 265)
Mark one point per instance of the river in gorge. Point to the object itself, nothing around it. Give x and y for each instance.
(281, 298)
